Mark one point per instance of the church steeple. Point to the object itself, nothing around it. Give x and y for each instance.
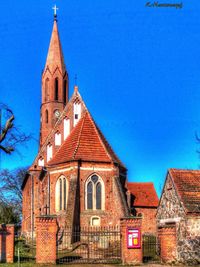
(55, 57)
(54, 84)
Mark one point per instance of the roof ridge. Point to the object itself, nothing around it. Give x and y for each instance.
(78, 142)
(106, 145)
(98, 134)
(177, 192)
(183, 170)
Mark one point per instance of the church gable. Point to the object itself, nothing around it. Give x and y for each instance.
(85, 142)
(66, 121)
(170, 206)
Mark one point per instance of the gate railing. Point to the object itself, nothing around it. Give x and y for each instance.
(89, 245)
(151, 248)
(25, 249)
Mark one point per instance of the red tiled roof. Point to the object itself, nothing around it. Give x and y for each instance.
(144, 193)
(187, 183)
(85, 142)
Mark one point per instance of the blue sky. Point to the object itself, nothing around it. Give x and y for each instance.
(138, 72)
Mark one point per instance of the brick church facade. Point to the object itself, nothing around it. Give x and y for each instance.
(76, 174)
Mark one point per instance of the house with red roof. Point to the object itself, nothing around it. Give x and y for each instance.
(180, 206)
(143, 201)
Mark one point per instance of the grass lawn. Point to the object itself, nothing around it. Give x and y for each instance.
(26, 264)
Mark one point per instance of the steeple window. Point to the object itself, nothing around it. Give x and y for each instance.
(46, 98)
(46, 116)
(65, 91)
(56, 88)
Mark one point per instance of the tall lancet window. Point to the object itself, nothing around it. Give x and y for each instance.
(61, 194)
(46, 116)
(89, 195)
(65, 91)
(95, 193)
(56, 88)
(46, 97)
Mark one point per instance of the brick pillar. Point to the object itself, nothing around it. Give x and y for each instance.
(46, 229)
(167, 239)
(7, 233)
(130, 255)
(10, 236)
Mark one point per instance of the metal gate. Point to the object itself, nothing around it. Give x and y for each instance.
(89, 245)
(151, 248)
(25, 249)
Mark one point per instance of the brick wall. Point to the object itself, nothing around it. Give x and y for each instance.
(7, 243)
(148, 215)
(26, 207)
(46, 229)
(168, 245)
(134, 255)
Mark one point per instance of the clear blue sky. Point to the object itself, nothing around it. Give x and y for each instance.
(138, 72)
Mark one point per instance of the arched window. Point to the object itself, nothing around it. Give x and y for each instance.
(98, 196)
(46, 98)
(61, 194)
(64, 91)
(95, 193)
(46, 116)
(89, 195)
(56, 88)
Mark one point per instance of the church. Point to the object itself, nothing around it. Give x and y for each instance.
(76, 175)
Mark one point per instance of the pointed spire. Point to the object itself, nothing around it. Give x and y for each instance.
(76, 88)
(55, 56)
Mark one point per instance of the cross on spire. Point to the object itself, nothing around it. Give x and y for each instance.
(55, 8)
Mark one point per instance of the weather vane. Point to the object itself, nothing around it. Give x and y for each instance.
(55, 10)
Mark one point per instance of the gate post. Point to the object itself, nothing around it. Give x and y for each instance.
(10, 236)
(46, 230)
(131, 228)
(7, 233)
(167, 239)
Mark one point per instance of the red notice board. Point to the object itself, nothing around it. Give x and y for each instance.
(133, 237)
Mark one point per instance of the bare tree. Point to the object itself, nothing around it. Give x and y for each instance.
(10, 190)
(8, 214)
(10, 135)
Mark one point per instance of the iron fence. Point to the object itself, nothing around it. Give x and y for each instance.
(25, 249)
(89, 245)
(151, 248)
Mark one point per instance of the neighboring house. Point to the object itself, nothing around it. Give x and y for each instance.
(144, 201)
(180, 205)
